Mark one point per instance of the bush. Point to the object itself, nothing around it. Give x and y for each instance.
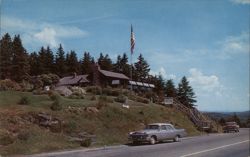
(54, 95)
(121, 99)
(8, 84)
(94, 90)
(24, 135)
(70, 127)
(86, 142)
(100, 105)
(139, 99)
(93, 98)
(24, 100)
(104, 98)
(6, 140)
(56, 105)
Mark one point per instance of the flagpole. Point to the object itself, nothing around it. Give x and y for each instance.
(131, 69)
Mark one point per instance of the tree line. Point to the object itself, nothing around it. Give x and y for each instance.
(17, 64)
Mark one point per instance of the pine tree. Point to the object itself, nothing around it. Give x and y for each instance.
(34, 64)
(170, 89)
(20, 63)
(185, 93)
(49, 61)
(42, 61)
(72, 63)
(86, 63)
(60, 66)
(159, 85)
(6, 55)
(141, 69)
(105, 63)
(117, 66)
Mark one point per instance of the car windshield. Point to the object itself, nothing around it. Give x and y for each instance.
(152, 127)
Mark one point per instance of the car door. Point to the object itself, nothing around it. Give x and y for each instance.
(163, 132)
(170, 132)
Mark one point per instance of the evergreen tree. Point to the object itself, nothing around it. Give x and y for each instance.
(170, 90)
(49, 68)
(6, 55)
(60, 65)
(185, 93)
(72, 63)
(141, 69)
(105, 63)
(34, 64)
(117, 66)
(86, 63)
(124, 65)
(20, 63)
(159, 85)
(42, 61)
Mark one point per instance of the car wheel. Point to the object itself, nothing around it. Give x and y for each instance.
(176, 139)
(152, 140)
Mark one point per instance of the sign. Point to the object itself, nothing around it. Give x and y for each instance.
(168, 101)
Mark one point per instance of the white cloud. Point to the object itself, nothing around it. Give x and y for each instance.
(41, 33)
(241, 1)
(163, 72)
(203, 82)
(47, 36)
(236, 44)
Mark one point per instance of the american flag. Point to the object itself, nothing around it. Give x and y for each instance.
(132, 40)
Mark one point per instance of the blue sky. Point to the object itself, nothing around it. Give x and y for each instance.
(205, 40)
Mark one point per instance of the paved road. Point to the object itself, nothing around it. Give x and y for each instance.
(213, 145)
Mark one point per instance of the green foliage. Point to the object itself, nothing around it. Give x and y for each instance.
(139, 99)
(8, 84)
(185, 93)
(60, 62)
(141, 69)
(121, 99)
(54, 95)
(73, 66)
(94, 90)
(56, 105)
(5, 57)
(170, 89)
(86, 142)
(24, 135)
(24, 101)
(6, 139)
(20, 63)
(86, 63)
(105, 63)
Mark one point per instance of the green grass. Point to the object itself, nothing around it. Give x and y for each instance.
(110, 125)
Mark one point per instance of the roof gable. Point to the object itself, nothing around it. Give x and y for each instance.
(113, 74)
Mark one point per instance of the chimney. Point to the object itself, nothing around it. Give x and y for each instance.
(74, 75)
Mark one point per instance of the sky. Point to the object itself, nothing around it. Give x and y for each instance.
(205, 40)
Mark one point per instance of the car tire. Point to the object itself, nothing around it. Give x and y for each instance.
(152, 140)
(176, 139)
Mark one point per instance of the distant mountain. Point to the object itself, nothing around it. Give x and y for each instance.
(217, 115)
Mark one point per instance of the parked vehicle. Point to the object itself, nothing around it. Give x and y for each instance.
(231, 126)
(157, 132)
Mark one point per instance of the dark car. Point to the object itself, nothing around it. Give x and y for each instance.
(231, 127)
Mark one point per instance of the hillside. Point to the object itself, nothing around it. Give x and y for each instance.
(242, 115)
(97, 116)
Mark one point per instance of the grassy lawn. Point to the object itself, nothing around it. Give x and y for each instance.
(110, 124)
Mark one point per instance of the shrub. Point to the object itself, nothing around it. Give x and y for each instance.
(24, 135)
(53, 95)
(94, 89)
(8, 84)
(24, 100)
(100, 105)
(56, 105)
(6, 140)
(93, 98)
(70, 126)
(104, 98)
(121, 99)
(139, 99)
(86, 142)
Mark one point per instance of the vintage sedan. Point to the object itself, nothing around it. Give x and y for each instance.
(156, 132)
(231, 126)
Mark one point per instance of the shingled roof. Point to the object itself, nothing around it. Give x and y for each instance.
(113, 74)
(72, 80)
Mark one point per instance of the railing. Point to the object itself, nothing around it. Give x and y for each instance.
(200, 120)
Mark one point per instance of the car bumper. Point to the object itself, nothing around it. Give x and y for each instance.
(139, 138)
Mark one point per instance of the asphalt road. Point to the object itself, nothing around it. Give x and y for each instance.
(213, 145)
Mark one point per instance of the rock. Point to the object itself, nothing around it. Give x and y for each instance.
(92, 109)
